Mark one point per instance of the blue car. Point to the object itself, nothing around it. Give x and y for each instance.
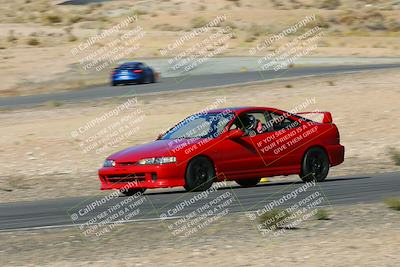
(132, 72)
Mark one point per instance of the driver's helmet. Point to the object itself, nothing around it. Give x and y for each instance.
(249, 121)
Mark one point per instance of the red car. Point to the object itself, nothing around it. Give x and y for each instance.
(242, 144)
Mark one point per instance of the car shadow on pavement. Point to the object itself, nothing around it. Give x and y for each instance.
(182, 191)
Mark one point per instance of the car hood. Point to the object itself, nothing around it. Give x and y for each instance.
(156, 148)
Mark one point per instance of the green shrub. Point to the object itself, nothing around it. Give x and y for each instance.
(393, 203)
(395, 155)
(53, 103)
(322, 215)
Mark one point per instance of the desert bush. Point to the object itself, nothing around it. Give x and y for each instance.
(375, 21)
(72, 38)
(273, 219)
(229, 24)
(319, 21)
(327, 4)
(11, 36)
(53, 103)
(201, 8)
(393, 203)
(256, 30)
(198, 22)
(236, 2)
(75, 19)
(360, 20)
(167, 27)
(250, 39)
(393, 25)
(33, 42)
(395, 155)
(141, 12)
(322, 215)
(52, 19)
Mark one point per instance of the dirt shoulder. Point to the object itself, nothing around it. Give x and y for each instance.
(358, 235)
(40, 159)
(37, 37)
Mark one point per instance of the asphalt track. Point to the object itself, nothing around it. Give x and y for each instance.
(58, 212)
(184, 83)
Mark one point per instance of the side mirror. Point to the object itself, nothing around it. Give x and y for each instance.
(235, 133)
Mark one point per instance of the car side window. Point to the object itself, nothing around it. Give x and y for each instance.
(251, 123)
(277, 122)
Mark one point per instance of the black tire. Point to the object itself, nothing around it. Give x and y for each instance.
(113, 84)
(132, 191)
(248, 182)
(146, 79)
(200, 174)
(315, 165)
(153, 78)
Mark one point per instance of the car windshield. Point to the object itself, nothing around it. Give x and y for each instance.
(202, 125)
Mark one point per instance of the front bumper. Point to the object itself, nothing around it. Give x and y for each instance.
(146, 176)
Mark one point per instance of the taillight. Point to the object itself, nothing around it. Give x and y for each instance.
(137, 71)
(114, 72)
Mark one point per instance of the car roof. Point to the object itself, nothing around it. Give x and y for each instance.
(130, 63)
(237, 109)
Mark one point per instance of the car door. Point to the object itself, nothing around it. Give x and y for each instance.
(239, 157)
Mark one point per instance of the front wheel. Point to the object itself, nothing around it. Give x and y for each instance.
(132, 191)
(200, 174)
(315, 166)
(248, 182)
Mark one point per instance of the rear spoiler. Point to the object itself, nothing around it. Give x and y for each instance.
(327, 116)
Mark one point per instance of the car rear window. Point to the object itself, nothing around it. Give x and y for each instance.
(129, 67)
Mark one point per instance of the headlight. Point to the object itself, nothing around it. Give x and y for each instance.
(160, 160)
(109, 163)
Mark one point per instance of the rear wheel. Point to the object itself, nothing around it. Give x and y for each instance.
(248, 182)
(199, 174)
(132, 191)
(113, 84)
(315, 165)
